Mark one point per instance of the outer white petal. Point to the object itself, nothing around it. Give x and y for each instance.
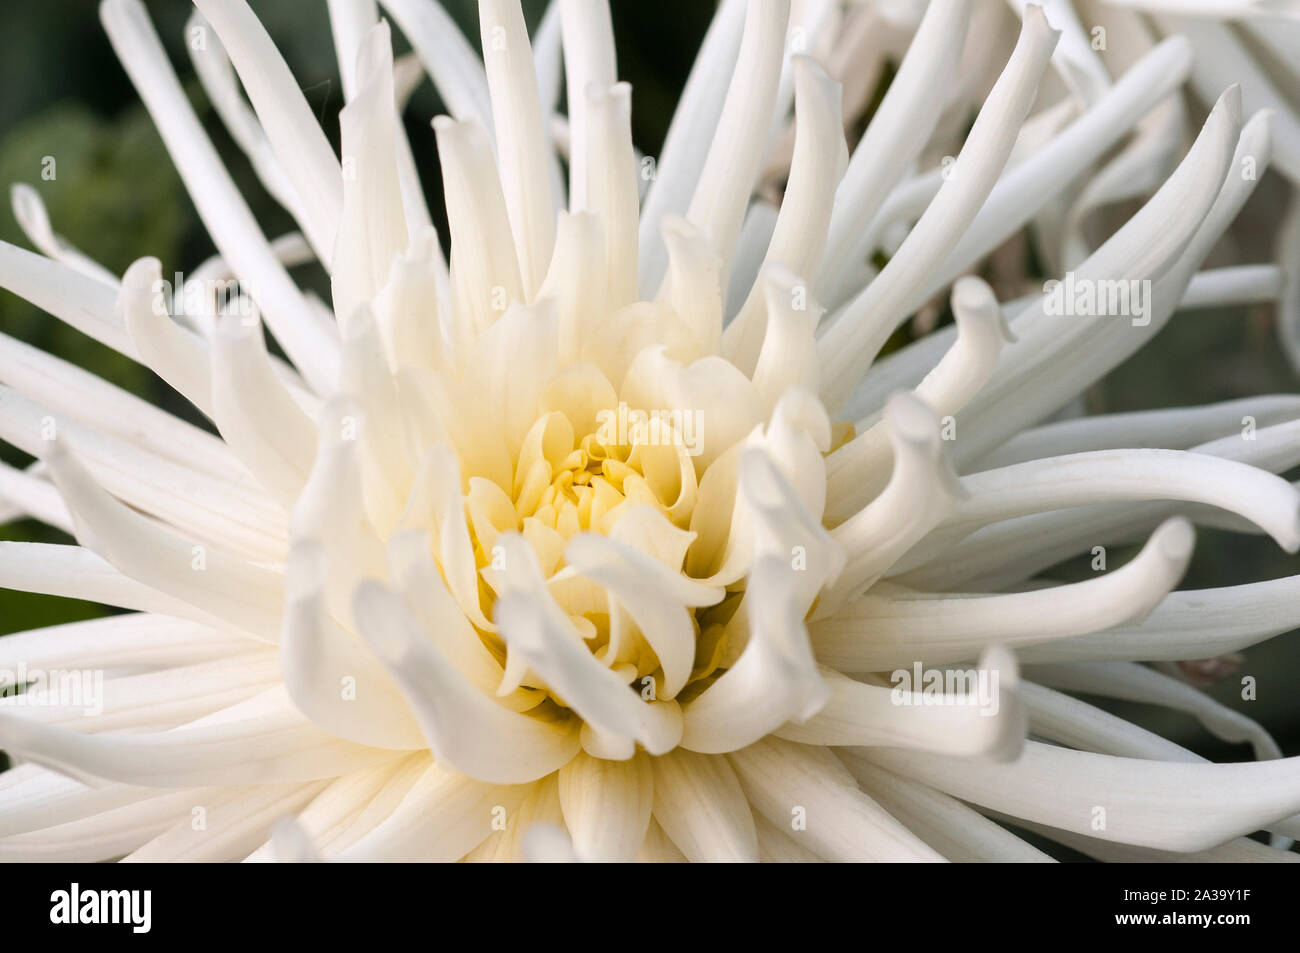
(950, 827)
(1172, 806)
(465, 729)
(793, 785)
(607, 805)
(700, 805)
(887, 629)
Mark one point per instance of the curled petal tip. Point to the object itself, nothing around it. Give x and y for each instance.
(1176, 539)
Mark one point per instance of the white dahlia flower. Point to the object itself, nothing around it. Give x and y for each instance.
(606, 540)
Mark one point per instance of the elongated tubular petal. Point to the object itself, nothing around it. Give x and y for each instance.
(1190, 624)
(178, 356)
(1075, 60)
(1222, 287)
(1048, 172)
(689, 136)
(1221, 59)
(1167, 805)
(772, 682)
(1063, 719)
(70, 391)
(1164, 242)
(1136, 171)
(656, 596)
(904, 368)
(782, 526)
(727, 178)
(329, 673)
(236, 820)
(213, 276)
(521, 145)
(986, 721)
(439, 472)
(287, 119)
(73, 297)
(922, 489)
(484, 264)
(413, 306)
(1078, 479)
(788, 357)
(693, 288)
(809, 27)
(104, 835)
(895, 136)
(577, 282)
(1175, 429)
(447, 57)
(231, 225)
(1241, 850)
(1060, 718)
(398, 777)
(234, 515)
(372, 224)
(787, 783)
(34, 497)
(1021, 547)
(76, 573)
(607, 805)
(950, 827)
(1145, 685)
(386, 462)
(350, 21)
(856, 471)
(535, 628)
(852, 341)
(34, 220)
(589, 60)
(548, 60)
(331, 509)
(418, 580)
(981, 332)
(271, 743)
(36, 797)
(220, 584)
(700, 805)
(751, 248)
(820, 156)
(442, 818)
(464, 728)
(140, 640)
(148, 701)
(878, 633)
(611, 191)
(213, 67)
(256, 414)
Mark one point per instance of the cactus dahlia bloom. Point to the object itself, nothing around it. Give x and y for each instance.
(606, 540)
